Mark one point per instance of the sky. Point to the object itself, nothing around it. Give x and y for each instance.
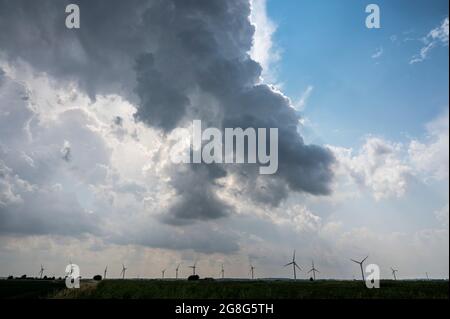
(88, 117)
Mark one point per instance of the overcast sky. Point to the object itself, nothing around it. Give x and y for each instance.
(88, 117)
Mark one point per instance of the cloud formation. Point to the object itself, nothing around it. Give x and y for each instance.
(430, 156)
(387, 168)
(179, 61)
(378, 166)
(87, 117)
(437, 36)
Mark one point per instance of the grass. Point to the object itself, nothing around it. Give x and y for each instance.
(157, 289)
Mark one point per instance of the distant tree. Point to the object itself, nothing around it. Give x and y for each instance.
(45, 278)
(10, 277)
(23, 277)
(194, 278)
(311, 279)
(97, 278)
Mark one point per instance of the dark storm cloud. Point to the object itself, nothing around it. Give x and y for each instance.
(163, 54)
(99, 56)
(2, 75)
(195, 198)
(162, 104)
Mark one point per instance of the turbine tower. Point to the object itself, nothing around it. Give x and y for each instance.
(104, 273)
(252, 271)
(394, 273)
(41, 272)
(122, 273)
(313, 270)
(194, 267)
(294, 265)
(177, 270)
(360, 263)
(222, 272)
(163, 272)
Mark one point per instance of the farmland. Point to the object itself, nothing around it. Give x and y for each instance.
(159, 289)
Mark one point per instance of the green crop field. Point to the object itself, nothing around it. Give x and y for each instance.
(155, 289)
(158, 289)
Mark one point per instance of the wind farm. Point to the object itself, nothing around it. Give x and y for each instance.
(300, 285)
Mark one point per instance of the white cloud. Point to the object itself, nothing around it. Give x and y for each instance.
(440, 33)
(386, 168)
(378, 53)
(377, 166)
(442, 215)
(431, 156)
(8, 194)
(437, 36)
(263, 50)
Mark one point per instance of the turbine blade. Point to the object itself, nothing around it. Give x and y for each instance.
(357, 262)
(364, 259)
(289, 264)
(297, 266)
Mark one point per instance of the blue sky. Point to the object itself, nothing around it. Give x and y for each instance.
(325, 44)
(358, 93)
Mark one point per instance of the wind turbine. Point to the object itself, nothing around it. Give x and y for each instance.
(394, 272)
(428, 277)
(177, 270)
(294, 265)
(104, 273)
(252, 271)
(360, 263)
(313, 270)
(222, 272)
(194, 267)
(41, 272)
(122, 273)
(163, 272)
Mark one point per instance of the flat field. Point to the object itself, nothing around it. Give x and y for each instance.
(159, 289)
